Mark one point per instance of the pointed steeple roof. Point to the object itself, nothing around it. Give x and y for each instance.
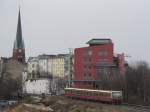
(19, 43)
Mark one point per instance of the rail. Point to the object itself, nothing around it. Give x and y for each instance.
(137, 108)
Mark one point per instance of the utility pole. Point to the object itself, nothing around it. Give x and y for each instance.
(125, 86)
(144, 81)
(70, 67)
(1, 67)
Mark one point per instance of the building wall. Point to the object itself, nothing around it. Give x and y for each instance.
(24, 79)
(38, 86)
(33, 67)
(87, 58)
(47, 66)
(58, 67)
(43, 66)
(50, 65)
(96, 66)
(69, 69)
(19, 55)
(121, 61)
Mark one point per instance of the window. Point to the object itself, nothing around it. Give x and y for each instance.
(87, 67)
(103, 53)
(87, 75)
(87, 59)
(89, 53)
(32, 65)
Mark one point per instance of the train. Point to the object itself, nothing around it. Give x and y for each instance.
(114, 97)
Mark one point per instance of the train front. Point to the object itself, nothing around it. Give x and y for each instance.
(117, 97)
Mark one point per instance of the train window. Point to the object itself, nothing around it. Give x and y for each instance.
(104, 94)
(87, 93)
(108, 94)
(94, 94)
(90, 93)
(81, 93)
(97, 94)
(75, 92)
(78, 92)
(67, 91)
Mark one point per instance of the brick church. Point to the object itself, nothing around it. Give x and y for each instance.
(19, 48)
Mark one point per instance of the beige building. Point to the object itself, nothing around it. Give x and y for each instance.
(47, 66)
(57, 66)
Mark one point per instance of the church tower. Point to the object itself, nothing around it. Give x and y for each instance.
(19, 48)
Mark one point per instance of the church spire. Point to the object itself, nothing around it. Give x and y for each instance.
(19, 48)
(19, 43)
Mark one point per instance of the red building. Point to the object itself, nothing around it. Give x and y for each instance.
(96, 64)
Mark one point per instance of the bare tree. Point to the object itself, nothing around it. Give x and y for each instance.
(138, 83)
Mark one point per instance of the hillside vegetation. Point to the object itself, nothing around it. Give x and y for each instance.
(63, 104)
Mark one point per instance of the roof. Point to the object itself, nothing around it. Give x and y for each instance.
(107, 91)
(33, 59)
(19, 43)
(45, 56)
(99, 41)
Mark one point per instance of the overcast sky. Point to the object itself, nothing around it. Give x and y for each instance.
(53, 26)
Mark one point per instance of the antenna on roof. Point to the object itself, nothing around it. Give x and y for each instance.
(19, 4)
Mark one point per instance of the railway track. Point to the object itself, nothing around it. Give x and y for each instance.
(137, 108)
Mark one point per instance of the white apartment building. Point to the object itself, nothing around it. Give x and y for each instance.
(49, 66)
(38, 86)
(45, 74)
(43, 65)
(24, 79)
(33, 67)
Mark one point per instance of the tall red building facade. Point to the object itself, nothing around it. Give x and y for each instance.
(96, 64)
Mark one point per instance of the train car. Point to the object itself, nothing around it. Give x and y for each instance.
(95, 95)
